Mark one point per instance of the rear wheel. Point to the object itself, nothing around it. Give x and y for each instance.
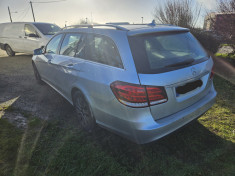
(37, 75)
(9, 51)
(83, 111)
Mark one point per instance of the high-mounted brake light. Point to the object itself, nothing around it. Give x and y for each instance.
(137, 95)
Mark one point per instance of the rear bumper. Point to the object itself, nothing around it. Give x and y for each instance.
(171, 123)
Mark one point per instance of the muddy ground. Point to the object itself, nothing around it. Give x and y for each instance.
(19, 89)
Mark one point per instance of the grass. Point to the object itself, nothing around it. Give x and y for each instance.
(10, 138)
(229, 56)
(58, 147)
(227, 45)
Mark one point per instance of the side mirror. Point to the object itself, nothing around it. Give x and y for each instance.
(33, 35)
(37, 51)
(43, 49)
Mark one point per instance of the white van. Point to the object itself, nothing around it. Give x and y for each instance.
(25, 37)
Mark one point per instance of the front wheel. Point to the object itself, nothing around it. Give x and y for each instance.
(37, 75)
(83, 111)
(9, 51)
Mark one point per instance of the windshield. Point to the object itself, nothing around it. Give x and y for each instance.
(161, 52)
(47, 29)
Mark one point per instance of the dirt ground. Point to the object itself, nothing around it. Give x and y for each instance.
(19, 89)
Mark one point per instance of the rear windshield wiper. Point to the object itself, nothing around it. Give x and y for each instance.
(186, 62)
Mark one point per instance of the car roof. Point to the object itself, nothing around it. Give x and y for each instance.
(27, 23)
(130, 29)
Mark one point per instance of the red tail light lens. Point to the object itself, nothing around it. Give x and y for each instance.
(138, 96)
(212, 73)
(156, 95)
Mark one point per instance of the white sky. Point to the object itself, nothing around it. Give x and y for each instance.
(101, 11)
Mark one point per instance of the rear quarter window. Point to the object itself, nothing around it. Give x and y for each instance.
(103, 50)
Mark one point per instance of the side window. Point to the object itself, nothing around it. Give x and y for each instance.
(52, 46)
(70, 44)
(103, 50)
(30, 31)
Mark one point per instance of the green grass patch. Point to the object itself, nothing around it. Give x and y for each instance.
(203, 147)
(231, 56)
(227, 45)
(10, 138)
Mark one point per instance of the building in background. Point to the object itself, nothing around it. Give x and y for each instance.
(221, 23)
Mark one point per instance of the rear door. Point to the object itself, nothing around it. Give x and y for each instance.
(176, 62)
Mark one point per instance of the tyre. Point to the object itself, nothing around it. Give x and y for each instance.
(37, 75)
(9, 51)
(83, 111)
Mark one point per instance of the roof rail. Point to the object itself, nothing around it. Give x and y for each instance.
(95, 25)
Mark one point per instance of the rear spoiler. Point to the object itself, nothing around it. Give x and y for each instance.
(157, 29)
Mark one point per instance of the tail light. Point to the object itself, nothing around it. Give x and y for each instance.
(212, 72)
(134, 95)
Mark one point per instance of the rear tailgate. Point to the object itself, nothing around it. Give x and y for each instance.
(184, 87)
(171, 58)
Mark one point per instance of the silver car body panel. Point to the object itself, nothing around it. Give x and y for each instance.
(141, 125)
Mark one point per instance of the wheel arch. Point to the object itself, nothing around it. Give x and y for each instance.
(86, 96)
(84, 93)
(4, 46)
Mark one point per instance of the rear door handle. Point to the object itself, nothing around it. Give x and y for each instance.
(20, 36)
(25, 37)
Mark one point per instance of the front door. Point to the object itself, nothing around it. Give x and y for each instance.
(66, 62)
(46, 66)
(32, 40)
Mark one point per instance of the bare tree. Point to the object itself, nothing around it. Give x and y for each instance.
(184, 13)
(226, 6)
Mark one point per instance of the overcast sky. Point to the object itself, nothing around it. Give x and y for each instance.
(100, 11)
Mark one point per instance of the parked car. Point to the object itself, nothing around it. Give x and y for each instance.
(139, 81)
(25, 37)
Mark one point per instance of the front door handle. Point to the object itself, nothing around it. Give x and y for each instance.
(70, 65)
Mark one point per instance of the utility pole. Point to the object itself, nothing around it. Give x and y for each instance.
(32, 10)
(9, 13)
(43, 2)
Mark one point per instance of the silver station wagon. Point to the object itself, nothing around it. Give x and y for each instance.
(139, 81)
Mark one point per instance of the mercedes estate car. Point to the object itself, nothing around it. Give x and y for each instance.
(139, 81)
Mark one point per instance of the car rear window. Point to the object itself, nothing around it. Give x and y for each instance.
(162, 52)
